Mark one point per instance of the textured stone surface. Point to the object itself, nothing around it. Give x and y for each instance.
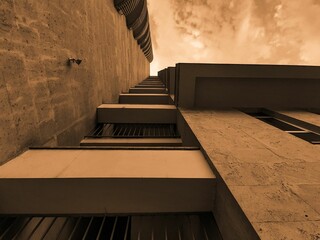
(42, 99)
(274, 176)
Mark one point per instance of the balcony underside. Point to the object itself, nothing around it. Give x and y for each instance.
(106, 181)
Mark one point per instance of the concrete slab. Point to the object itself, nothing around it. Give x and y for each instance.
(208, 86)
(149, 86)
(148, 90)
(106, 181)
(135, 98)
(131, 142)
(136, 113)
(272, 176)
(151, 82)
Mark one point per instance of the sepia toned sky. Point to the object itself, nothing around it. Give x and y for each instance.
(234, 31)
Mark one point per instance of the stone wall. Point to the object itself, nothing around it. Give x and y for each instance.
(43, 100)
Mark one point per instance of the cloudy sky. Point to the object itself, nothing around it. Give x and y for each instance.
(235, 31)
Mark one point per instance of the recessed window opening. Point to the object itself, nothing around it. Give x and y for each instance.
(290, 128)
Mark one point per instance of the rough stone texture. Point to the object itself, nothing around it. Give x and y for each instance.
(42, 99)
(274, 176)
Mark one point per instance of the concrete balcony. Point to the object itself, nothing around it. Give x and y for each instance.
(87, 181)
(147, 85)
(136, 98)
(148, 90)
(131, 142)
(136, 113)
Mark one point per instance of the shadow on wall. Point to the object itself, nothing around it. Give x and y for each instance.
(43, 100)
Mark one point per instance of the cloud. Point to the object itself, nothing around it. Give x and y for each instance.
(229, 31)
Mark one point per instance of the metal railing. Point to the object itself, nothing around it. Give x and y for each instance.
(134, 131)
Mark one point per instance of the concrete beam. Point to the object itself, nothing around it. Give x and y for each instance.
(245, 85)
(149, 86)
(106, 181)
(144, 98)
(148, 90)
(136, 113)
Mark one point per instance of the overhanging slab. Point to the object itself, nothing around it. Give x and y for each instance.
(106, 181)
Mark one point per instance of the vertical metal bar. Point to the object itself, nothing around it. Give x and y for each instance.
(179, 234)
(87, 230)
(125, 130)
(172, 130)
(115, 130)
(131, 129)
(106, 130)
(93, 131)
(140, 131)
(165, 131)
(8, 228)
(63, 226)
(134, 132)
(114, 228)
(191, 228)
(101, 227)
(96, 129)
(149, 132)
(74, 228)
(127, 229)
(100, 131)
(204, 231)
(36, 227)
(165, 233)
(128, 130)
(121, 129)
(45, 233)
(21, 228)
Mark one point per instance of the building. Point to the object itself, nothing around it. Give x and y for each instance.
(201, 151)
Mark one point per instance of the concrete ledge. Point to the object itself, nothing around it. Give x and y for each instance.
(149, 86)
(131, 142)
(148, 90)
(151, 82)
(102, 181)
(144, 98)
(105, 196)
(136, 113)
(208, 86)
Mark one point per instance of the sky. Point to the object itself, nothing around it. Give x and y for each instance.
(234, 31)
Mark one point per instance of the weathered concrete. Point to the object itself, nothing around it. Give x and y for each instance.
(106, 181)
(273, 176)
(42, 99)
